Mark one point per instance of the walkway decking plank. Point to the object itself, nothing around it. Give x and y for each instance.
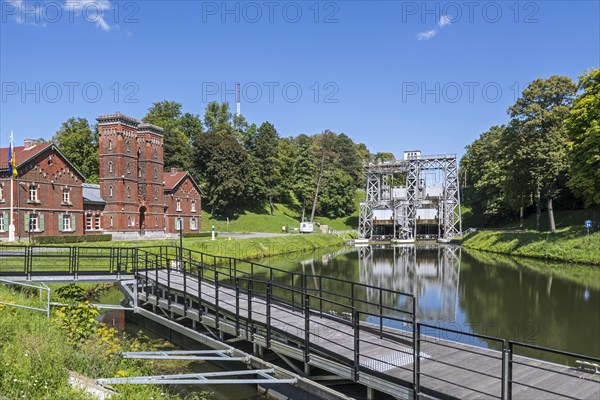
(337, 337)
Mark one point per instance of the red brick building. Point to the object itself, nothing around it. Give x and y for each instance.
(47, 199)
(134, 199)
(182, 202)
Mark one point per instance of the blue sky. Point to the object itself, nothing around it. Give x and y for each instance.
(394, 75)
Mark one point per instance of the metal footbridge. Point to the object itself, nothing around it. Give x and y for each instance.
(322, 328)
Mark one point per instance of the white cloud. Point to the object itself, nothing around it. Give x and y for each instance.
(444, 20)
(92, 11)
(426, 35)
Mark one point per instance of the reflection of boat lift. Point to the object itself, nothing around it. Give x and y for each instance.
(409, 274)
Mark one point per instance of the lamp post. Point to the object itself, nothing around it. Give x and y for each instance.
(180, 241)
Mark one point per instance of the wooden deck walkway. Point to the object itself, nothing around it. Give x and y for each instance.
(447, 369)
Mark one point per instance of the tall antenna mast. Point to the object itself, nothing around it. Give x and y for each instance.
(238, 108)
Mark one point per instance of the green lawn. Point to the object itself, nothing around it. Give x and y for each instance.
(263, 221)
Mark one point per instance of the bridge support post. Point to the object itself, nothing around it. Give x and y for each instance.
(370, 393)
(306, 369)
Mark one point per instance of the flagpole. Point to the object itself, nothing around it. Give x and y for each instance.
(11, 227)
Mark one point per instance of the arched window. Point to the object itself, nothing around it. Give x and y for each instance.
(139, 172)
(128, 146)
(110, 192)
(111, 221)
(128, 191)
(193, 209)
(110, 166)
(128, 168)
(178, 202)
(110, 144)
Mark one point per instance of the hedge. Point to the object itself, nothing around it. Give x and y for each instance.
(199, 234)
(73, 239)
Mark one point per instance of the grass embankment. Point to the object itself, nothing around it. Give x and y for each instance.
(263, 221)
(567, 244)
(37, 355)
(244, 248)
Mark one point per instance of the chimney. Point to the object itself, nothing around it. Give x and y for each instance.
(28, 143)
(173, 170)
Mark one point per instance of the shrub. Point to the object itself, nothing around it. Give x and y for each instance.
(73, 239)
(199, 234)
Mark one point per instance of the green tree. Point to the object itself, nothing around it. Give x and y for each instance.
(178, 131)
(263, 147)
(222, 163)
(324, 148)
(538, 123)
(583, 127)
(337, 197)
(304, 171)
(79, 143)
(482, 168)
(349, 159)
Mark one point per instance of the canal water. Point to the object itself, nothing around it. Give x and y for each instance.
(542, 303)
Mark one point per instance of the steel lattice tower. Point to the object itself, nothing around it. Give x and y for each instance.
(402, 203)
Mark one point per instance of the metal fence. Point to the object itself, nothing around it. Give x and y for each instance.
(366, 331)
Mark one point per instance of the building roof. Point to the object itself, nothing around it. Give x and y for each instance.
(91, 194)
(174, 178)
(24, 155)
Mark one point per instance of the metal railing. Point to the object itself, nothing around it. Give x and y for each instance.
(29, 261)
(42, 288)
(324, 317)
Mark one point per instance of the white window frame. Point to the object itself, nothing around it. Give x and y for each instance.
(66, 196)
(177, 204)
(33, 193)
(89, 222)
(193, 206)
(1, 192)
(66, 223)
(34, 222)
(97, 222)
(193, 224)
(2, 223)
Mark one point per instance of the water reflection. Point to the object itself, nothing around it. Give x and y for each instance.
(432, 276)
(545, 303)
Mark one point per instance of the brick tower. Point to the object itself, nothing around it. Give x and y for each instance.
(131, 165)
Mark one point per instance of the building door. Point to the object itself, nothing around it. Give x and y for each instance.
(142, 218)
